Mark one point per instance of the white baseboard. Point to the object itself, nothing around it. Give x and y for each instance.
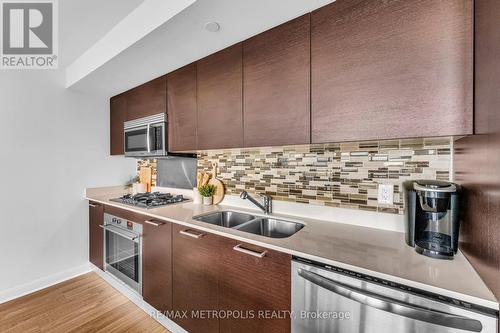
(42, 283)
(137, 300)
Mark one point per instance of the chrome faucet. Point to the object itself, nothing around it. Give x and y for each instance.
(266, 205)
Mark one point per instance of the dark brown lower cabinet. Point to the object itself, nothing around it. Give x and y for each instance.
(196, 277)
(257, 283)
(157, 263)
(241, 283)
(96, 234)
(222, 284)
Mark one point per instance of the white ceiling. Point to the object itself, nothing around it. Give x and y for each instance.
(143, 20)
(183, 39)
(84, 22)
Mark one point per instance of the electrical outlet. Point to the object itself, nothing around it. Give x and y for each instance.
(386, 194)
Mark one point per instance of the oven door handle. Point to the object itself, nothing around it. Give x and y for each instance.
(392, 305)
(121, 234)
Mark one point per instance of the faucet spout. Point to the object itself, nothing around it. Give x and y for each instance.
(266, 205)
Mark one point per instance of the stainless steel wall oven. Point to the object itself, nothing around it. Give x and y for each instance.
(123, 250)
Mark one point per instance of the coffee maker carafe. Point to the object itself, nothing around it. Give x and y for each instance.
(432, 217)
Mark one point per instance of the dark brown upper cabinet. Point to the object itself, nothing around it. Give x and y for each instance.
(181, 101)
(157, 263)
(147, 99)
(276, 85)
(118, 115)
(391, 69)
(220, 98)
(350, 71)
(96, 234)
(487, 67)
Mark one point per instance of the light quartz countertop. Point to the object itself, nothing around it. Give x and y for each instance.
(380, 253)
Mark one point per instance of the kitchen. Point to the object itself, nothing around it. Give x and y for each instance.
(298, 166)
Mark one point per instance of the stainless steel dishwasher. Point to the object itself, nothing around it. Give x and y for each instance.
(328, 299)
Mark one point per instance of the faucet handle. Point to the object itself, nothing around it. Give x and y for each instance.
(268, 203)
(244, 194)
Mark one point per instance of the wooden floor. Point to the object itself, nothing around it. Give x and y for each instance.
(84, 304)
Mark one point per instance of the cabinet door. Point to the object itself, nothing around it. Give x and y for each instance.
(157, 263)
(391, 69)
(253, 283)
(220, 115)
(196, 276)
(96, 234)
(487, 67)
(118, 115)
(147, 99)
(276, 85)
(181, 99)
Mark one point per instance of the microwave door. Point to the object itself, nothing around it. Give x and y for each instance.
(157, 139)
(137, 141)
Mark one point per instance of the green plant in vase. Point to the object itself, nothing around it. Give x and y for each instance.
(207, 192)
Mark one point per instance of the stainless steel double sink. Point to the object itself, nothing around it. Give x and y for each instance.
(258, 225)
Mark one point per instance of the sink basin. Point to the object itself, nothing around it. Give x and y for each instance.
(263, 226)
(270, 227)
(226, 219)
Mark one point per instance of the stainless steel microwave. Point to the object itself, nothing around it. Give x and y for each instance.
(146, 137)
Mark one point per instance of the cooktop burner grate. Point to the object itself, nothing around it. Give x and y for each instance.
(150, 199)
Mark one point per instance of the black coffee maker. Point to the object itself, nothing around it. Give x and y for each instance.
(432, 217)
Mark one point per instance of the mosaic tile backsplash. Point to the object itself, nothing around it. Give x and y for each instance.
(343, 175)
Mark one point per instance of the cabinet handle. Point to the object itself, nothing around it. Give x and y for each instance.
(153, 223)
(190, 233)
(240, 248)
(93, 205)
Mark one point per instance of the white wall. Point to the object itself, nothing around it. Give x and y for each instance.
(53, 143)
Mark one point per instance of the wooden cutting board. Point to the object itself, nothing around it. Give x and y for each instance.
(145, 177)
(205, 178)
(219, 194)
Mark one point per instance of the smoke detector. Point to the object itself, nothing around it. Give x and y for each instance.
(212, 26)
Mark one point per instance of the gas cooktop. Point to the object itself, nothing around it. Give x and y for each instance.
(150, 199)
